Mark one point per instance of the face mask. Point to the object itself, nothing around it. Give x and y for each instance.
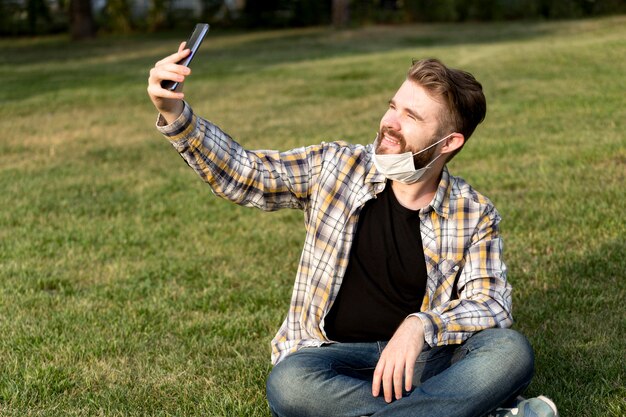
(401, 167)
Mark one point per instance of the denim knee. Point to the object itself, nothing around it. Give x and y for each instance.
(510, 353)
(516, 351)
(285, 390)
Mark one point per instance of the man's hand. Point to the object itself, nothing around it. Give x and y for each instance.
(169, 103)
(398, 360)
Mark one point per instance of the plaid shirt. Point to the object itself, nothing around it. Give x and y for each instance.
(467, 290)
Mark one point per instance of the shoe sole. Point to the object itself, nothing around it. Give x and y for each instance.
(550, 403)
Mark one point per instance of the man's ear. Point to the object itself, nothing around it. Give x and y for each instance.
(454, 142)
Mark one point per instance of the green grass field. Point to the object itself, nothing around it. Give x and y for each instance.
(128, 289)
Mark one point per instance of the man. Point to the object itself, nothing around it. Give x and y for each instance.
(401, 305)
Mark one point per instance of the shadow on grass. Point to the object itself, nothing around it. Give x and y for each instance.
(577, 328)
(286, 45)
(53, 64)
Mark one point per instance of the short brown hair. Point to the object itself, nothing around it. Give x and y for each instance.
(461, 94)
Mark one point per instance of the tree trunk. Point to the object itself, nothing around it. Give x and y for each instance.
(82, 24)
(341, 13)
(35, 10)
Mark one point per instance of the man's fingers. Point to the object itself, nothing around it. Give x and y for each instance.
(173, 68)
(378, 373)
(408, 375)
(161, 75)
(169, 103)
(390, 376)
(158, 91)
(182, 53)
(168, 72)
(397, 361)
(388, 382)
(398, 374)
(167, 69)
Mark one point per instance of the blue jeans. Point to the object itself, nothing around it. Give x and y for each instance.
(489, 369)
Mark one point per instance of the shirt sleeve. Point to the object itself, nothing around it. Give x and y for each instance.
(267, 179)
(484, 295)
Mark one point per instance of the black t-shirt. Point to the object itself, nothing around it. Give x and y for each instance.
(386, 276)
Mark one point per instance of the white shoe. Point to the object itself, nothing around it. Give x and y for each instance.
(532, 407)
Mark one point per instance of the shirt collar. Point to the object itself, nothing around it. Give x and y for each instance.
(441, 200)
(373, 176)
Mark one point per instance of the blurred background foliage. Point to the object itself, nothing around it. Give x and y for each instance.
(86, 18)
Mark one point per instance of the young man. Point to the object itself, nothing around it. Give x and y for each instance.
(401, 305)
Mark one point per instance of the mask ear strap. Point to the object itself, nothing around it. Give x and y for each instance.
(431, 162)
(434, 144)
(448, 137)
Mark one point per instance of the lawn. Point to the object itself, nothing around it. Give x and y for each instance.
(128, 289)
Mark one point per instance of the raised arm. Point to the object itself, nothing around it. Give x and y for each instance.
(264, 179)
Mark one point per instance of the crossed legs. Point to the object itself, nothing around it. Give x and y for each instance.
(470, 380)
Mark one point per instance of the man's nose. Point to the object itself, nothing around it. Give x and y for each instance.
(390, 121)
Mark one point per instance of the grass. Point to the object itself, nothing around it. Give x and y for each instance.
(127, 289)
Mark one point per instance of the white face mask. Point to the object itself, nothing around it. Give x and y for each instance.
(401, 167)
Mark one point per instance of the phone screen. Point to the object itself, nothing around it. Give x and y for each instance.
(193, 43)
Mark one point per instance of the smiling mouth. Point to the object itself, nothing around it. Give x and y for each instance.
(391, 140)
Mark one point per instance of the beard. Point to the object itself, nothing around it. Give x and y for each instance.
(420, 160)
(425, 157)
(393, 134)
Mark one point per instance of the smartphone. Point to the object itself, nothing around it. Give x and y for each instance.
(192, 43)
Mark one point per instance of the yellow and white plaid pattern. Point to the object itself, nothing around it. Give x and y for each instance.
(467, 290)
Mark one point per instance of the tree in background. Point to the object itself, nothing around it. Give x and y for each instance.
(117, 16)
(35, 17)
(82, 24)
(286, 13)
(157, 15)
(37, 9)
(340, 13)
